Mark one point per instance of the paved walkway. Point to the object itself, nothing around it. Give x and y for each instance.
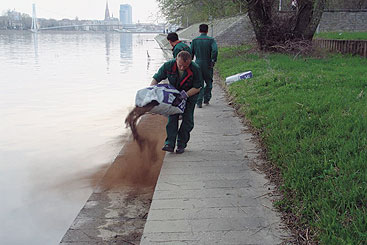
(210, 194)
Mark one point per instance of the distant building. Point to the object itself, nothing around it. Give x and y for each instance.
(125, 14)
(14, 20)
(107, 12)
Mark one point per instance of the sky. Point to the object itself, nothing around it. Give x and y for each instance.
(142, 10)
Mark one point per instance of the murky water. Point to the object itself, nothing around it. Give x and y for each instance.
(63, 101)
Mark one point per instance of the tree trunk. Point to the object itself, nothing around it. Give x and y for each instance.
(274, 29)
(259, 12)
(308, 17)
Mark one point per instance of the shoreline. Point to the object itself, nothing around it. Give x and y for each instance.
(117, 209)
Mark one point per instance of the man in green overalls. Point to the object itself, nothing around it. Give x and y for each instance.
(206, 52)
(177, 45)
(186, 77)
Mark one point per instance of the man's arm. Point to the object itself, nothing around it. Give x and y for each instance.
(192, 49)
(160, 75)
(214, 52)
(198, 82)
(175, 51)
(193, 91)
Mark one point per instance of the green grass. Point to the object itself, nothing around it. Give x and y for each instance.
(312, 114)
(342, 35)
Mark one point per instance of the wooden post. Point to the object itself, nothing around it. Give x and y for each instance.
(347, 46)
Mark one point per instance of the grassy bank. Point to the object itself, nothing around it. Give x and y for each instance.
(342, 35)
(312, 114)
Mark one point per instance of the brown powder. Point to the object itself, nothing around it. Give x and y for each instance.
(139, 165)
(132, 120)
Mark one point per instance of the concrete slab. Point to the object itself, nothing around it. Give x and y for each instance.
(210, 194)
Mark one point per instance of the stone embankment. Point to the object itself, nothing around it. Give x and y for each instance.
(227, 31)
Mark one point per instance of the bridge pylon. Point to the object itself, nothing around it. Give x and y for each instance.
(35, 26)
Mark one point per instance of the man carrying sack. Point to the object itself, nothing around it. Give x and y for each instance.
(186, 77)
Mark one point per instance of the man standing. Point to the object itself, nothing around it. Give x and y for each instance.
(206, 52)
(177, 45)
(186, 77)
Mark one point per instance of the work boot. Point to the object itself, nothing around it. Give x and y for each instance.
(180, 150)
(199, 105)
(168, 148)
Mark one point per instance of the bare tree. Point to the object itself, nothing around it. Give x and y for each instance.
(275, 30)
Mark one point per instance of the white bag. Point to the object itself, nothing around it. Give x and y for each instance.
(164, 94)
(238, 76)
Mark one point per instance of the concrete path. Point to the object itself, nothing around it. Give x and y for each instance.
(211, 194)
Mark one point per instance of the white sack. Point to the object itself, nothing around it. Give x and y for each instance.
(164, 94)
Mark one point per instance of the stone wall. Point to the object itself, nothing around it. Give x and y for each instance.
(343, 21)
(227, 31)
(239, 32)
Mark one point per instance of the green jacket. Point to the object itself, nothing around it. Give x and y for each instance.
(179, 47)
(204, 48)
(192, 77)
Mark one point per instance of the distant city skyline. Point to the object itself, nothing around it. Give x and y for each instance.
(144, 10)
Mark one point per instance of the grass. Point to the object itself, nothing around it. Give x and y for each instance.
(312, 115)
(342, 35)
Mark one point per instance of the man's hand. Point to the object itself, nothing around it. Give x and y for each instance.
(154, 82)
(212, 64)
(179, 98)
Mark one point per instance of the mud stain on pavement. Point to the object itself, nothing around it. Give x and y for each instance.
(117, 210)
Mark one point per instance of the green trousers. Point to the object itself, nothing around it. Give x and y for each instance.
(182, 134)
(206, 92)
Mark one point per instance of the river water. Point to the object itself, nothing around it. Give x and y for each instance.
(63, 100)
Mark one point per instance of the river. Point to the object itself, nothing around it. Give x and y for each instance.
(63, 100)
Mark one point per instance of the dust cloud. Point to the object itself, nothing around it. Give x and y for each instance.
(140, 160)
(137, 165)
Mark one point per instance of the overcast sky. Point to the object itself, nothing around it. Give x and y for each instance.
(142, 10)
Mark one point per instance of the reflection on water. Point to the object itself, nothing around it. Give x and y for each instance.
(35, 45)
(108, 44)
(63, 100)
(126, 43)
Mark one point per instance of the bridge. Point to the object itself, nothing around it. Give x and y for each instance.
(114, 26)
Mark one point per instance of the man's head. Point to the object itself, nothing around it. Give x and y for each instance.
(183, 60)
(203, 28)
(172, 37)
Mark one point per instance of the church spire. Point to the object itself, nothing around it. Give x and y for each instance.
(107, 12)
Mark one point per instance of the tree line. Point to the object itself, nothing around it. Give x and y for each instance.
(14, 20)
(287, 30)
(187, 12)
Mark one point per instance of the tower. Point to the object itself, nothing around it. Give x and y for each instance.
(107, 12)
(125, 14)
(34, 27)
